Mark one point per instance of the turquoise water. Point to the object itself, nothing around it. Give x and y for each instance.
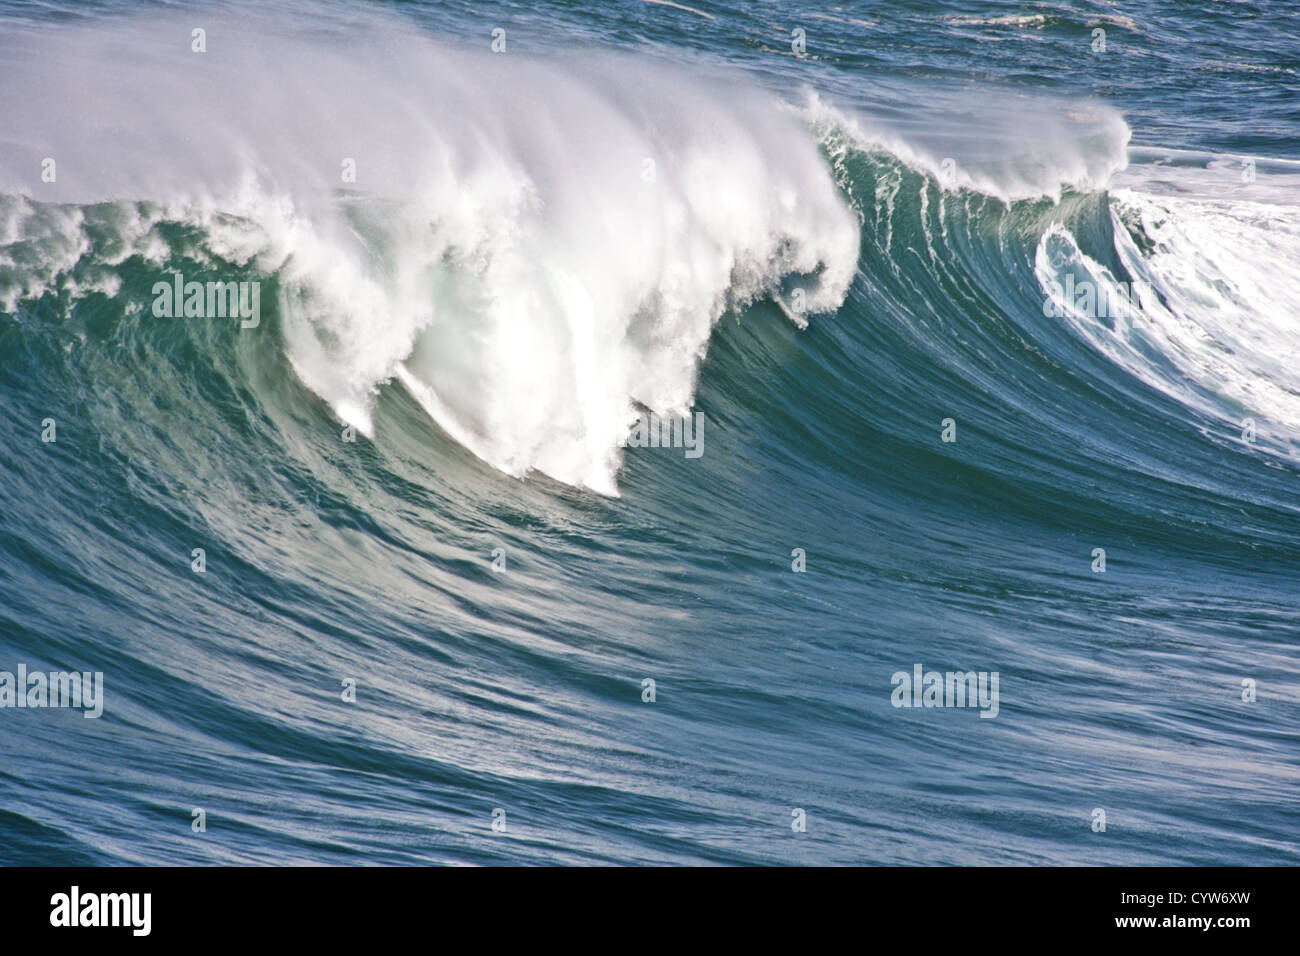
(477, 271)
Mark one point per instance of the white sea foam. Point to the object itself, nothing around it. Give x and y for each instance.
(1002, 144)
(1213, 265)
(533, 248)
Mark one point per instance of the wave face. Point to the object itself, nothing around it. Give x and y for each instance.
(935, 345)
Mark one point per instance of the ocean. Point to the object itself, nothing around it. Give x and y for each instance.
(495, 433)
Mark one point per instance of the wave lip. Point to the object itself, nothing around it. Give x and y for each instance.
(534, 252)
(991, 142)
